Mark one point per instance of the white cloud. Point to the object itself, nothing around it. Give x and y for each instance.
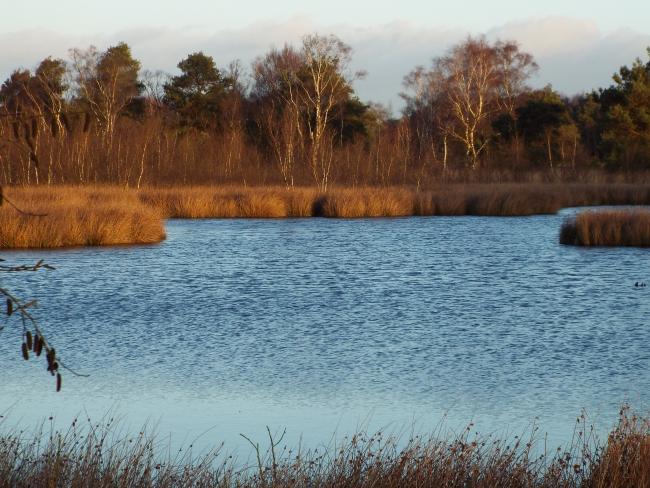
(574, 54)
(550, 36)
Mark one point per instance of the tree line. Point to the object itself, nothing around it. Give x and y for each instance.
(294, 118)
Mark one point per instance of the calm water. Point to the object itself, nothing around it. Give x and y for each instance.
(323, 326)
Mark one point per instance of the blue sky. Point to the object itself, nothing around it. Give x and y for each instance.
(578, 44)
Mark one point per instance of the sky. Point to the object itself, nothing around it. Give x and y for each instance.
(578, 44)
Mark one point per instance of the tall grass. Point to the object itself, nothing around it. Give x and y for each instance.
(507, 199)
(607, 228)
(68, 217)
(102, 456)
(107, 215)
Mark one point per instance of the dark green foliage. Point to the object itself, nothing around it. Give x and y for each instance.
(116, 66)
(615, 122)
(545, 111)
(197, 93)
(353, 120)
(51, 76)
(13, 93)
(540, 121)
(504, 126)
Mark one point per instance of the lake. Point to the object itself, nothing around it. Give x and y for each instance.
(324, 327)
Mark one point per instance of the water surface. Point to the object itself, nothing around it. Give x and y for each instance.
(321, 326)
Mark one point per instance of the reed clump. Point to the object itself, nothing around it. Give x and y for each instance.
(607, 228)
(69, 217)
(101, 456)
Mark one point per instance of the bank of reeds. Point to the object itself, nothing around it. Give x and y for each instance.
(102, 456)
(508, 199)
(106, 215)
(607, 228)
(69, 217)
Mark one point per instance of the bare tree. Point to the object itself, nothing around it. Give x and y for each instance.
(280, 109)
(327, 83)
(34, 103)
(153, 83)
(430, 112)
(232, 114)
(514, 69)
(470, 77)
(466, 87)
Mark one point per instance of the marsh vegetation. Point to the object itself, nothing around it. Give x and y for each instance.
(99, 455)
(67, 216)
(607, 228)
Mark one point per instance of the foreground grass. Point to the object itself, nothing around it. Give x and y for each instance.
(98, 216)
(607, 228)
(100, 456)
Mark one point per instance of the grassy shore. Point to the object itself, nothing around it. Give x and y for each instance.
(607, 228)
(103, 456)
(99, 216)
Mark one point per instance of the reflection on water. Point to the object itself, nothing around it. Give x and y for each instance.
(327, 325)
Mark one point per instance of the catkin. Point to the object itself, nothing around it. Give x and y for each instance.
(58, 382)
(10, 307)
(24, 351)
(28, 339)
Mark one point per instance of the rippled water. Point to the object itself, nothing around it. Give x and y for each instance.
(321, 326)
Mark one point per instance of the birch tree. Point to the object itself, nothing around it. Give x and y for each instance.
(469, 77)
(327, 82)
(106, 83)
(466, 87)
(280, 111)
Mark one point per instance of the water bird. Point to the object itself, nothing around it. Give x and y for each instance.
(640, 284)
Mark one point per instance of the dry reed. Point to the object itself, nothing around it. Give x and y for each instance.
(68, 217)
(102, 456)
(507, 199)
(607, 228)
(89, 215)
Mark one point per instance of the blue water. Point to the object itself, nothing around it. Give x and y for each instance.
(325, 326)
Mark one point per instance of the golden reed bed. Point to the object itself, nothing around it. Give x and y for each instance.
(109, 215)
(69, 217)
